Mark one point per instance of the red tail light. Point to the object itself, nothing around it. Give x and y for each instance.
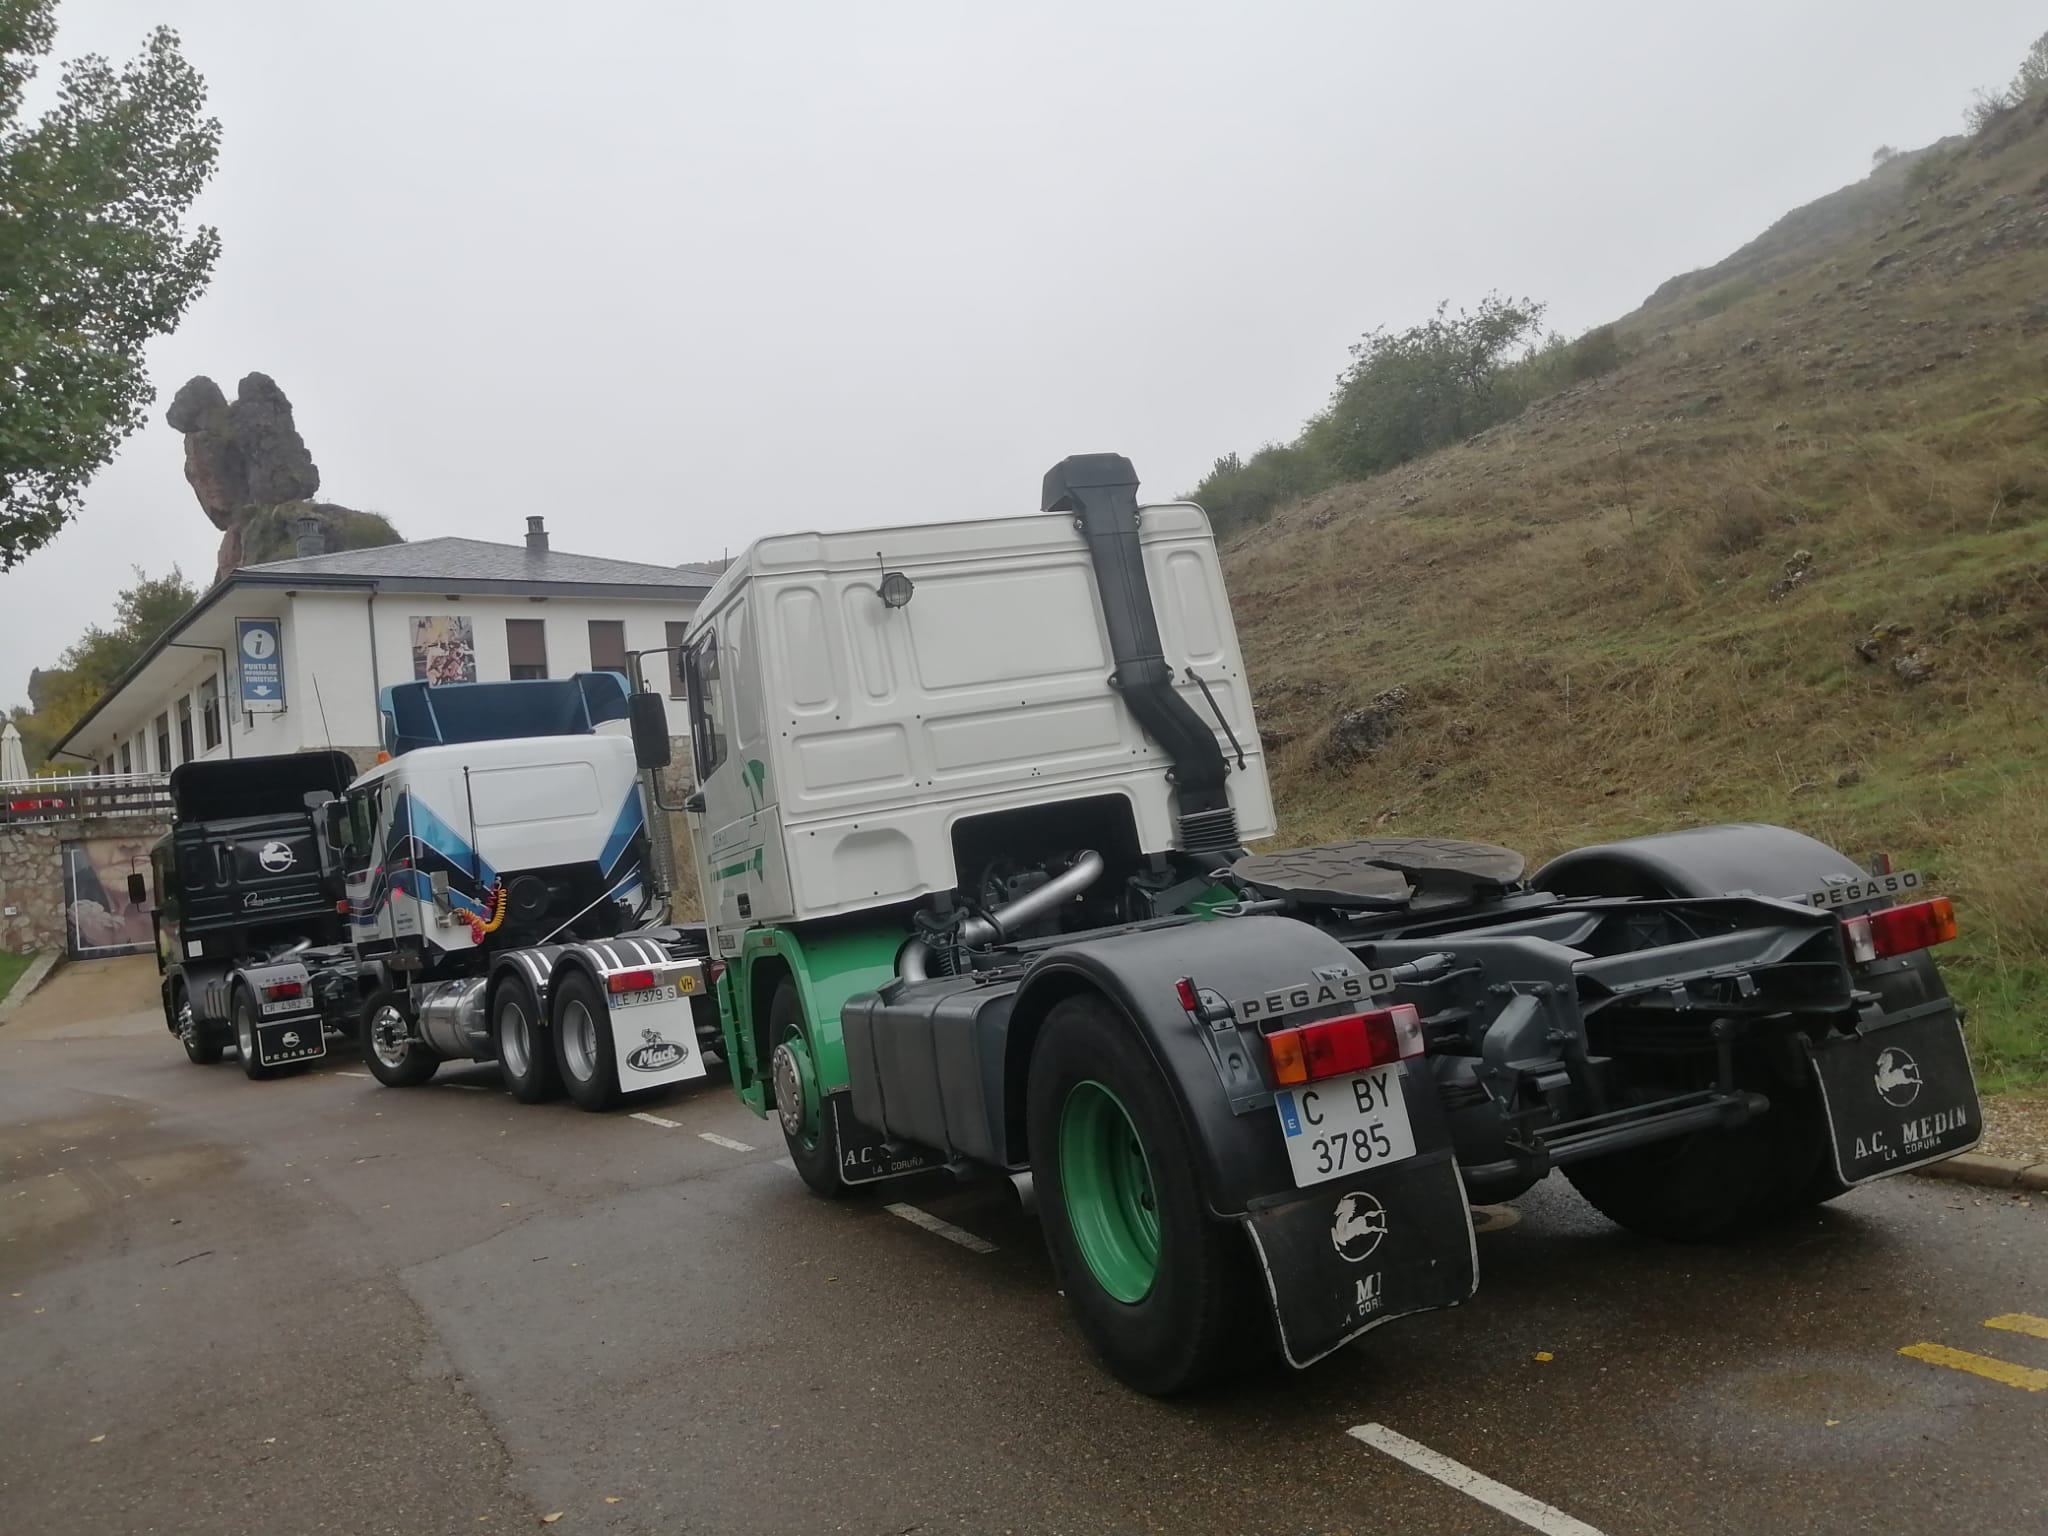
(1918, 925)
(1333, 1047)
(715, 972)
(283, 991)
(630, 981)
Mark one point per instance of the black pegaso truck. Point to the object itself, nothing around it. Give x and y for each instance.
(250, 911)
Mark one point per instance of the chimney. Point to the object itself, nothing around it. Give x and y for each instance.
(536, 537)
(307, 536)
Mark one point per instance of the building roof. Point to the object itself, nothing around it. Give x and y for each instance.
(447, 565)
(444, 560)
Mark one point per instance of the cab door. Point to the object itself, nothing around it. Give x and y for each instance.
(736, 834)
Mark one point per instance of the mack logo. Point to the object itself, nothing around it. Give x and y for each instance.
(276, 857)
(658, 1054)
(1319, 991)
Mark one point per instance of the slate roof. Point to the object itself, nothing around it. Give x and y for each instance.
(478, 560)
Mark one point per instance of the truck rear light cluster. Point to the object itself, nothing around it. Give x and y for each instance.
(1899, 930)
(714, 972)
(630, 981)
(1333, 1047)
(283, 991)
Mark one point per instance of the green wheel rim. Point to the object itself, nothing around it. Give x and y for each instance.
(1106, 1183)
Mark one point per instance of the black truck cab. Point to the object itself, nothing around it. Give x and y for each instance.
(251, 912)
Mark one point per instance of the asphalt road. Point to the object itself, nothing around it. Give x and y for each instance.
(319, 1305)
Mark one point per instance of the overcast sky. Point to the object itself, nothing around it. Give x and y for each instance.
(674, 274)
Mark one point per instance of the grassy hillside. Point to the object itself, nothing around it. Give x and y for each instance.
(1787, 562)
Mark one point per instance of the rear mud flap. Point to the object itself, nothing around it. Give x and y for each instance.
(866, 1157)
(290, 1040)
(1899, 1096)
(1344, 1257)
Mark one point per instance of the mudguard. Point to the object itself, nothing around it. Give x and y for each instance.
(290, 1030)
(1241, 1157)
(1700, 861)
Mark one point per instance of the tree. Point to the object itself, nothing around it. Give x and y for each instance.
(94, 662)
(95, 259)
(2032, 78)
(1429, 385)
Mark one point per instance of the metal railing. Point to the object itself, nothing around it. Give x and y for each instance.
(85, 796)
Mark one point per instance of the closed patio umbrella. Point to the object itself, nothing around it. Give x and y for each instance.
(13, 761)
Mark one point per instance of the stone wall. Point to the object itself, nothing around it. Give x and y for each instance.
(32, 873)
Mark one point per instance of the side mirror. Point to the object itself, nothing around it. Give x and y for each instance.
(138, 889)
(334, 818)
(649, 716)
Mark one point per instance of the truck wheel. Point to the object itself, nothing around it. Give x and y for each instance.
(394, 1058)
(525, 1053)
(584, 1052)
(1156, 1286)
(243, 1011)
(807, 1130)
(202, 1042)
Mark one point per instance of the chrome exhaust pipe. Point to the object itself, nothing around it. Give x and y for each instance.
(914, 964)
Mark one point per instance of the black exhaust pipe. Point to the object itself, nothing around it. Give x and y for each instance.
(1101, 490)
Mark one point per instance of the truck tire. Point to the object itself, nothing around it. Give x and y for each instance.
(391, 1053)
(526, 1052)
(202, 1041)
(807, 1130)
(584, 1053)
(242, 1009)
(1161, 1291)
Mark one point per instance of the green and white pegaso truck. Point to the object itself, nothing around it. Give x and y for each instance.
(971, 829)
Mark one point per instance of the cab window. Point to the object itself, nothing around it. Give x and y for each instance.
(710, 717)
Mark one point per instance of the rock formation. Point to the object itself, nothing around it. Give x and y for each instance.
(251, 471)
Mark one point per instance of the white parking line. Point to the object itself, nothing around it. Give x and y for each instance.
(1455, 1474)
(723, 1141)
(351, 1074)
(945, 1229)
(783, 1162)
(666, 1125)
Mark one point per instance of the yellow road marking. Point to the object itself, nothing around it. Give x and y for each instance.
(2020, 1322)
(2022, 1376)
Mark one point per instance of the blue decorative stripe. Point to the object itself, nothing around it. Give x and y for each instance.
(631, 823)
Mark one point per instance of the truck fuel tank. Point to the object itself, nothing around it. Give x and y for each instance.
(451, 1016)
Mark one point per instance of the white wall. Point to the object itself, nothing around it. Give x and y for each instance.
(327, 640)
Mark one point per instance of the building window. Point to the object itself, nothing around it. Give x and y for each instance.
(607, 645)
(674, 640)
(163, 742)
(127, 758)
(185, 752)
(526, 646)
(209, 713)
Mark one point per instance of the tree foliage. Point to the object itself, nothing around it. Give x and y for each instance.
(94, 662)
(1407, 393)
(95, 258)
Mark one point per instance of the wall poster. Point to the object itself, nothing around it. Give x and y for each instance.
(443, 648)
(99, 919)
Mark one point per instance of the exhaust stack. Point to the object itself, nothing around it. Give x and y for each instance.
(1101, 490)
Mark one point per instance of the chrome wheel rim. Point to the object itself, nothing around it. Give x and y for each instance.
(579, 1041)
(389, 1041)
(186, 1024)
(245, 1035)
(515, 1039)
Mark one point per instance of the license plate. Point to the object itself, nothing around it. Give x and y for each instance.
(1898, 1097)
(1345, 1125)
(289, 1005)
(665, 994)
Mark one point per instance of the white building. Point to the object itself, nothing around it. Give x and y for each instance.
(290, 656)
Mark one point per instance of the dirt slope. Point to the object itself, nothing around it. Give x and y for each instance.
(1789, 563)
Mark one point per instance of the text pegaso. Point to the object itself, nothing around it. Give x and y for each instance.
(1317, 992)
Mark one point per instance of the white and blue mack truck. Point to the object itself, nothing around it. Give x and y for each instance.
(505, 896)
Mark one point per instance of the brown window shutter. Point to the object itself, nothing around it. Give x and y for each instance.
(607, 645)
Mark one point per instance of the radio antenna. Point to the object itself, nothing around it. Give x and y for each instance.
(339, 787)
